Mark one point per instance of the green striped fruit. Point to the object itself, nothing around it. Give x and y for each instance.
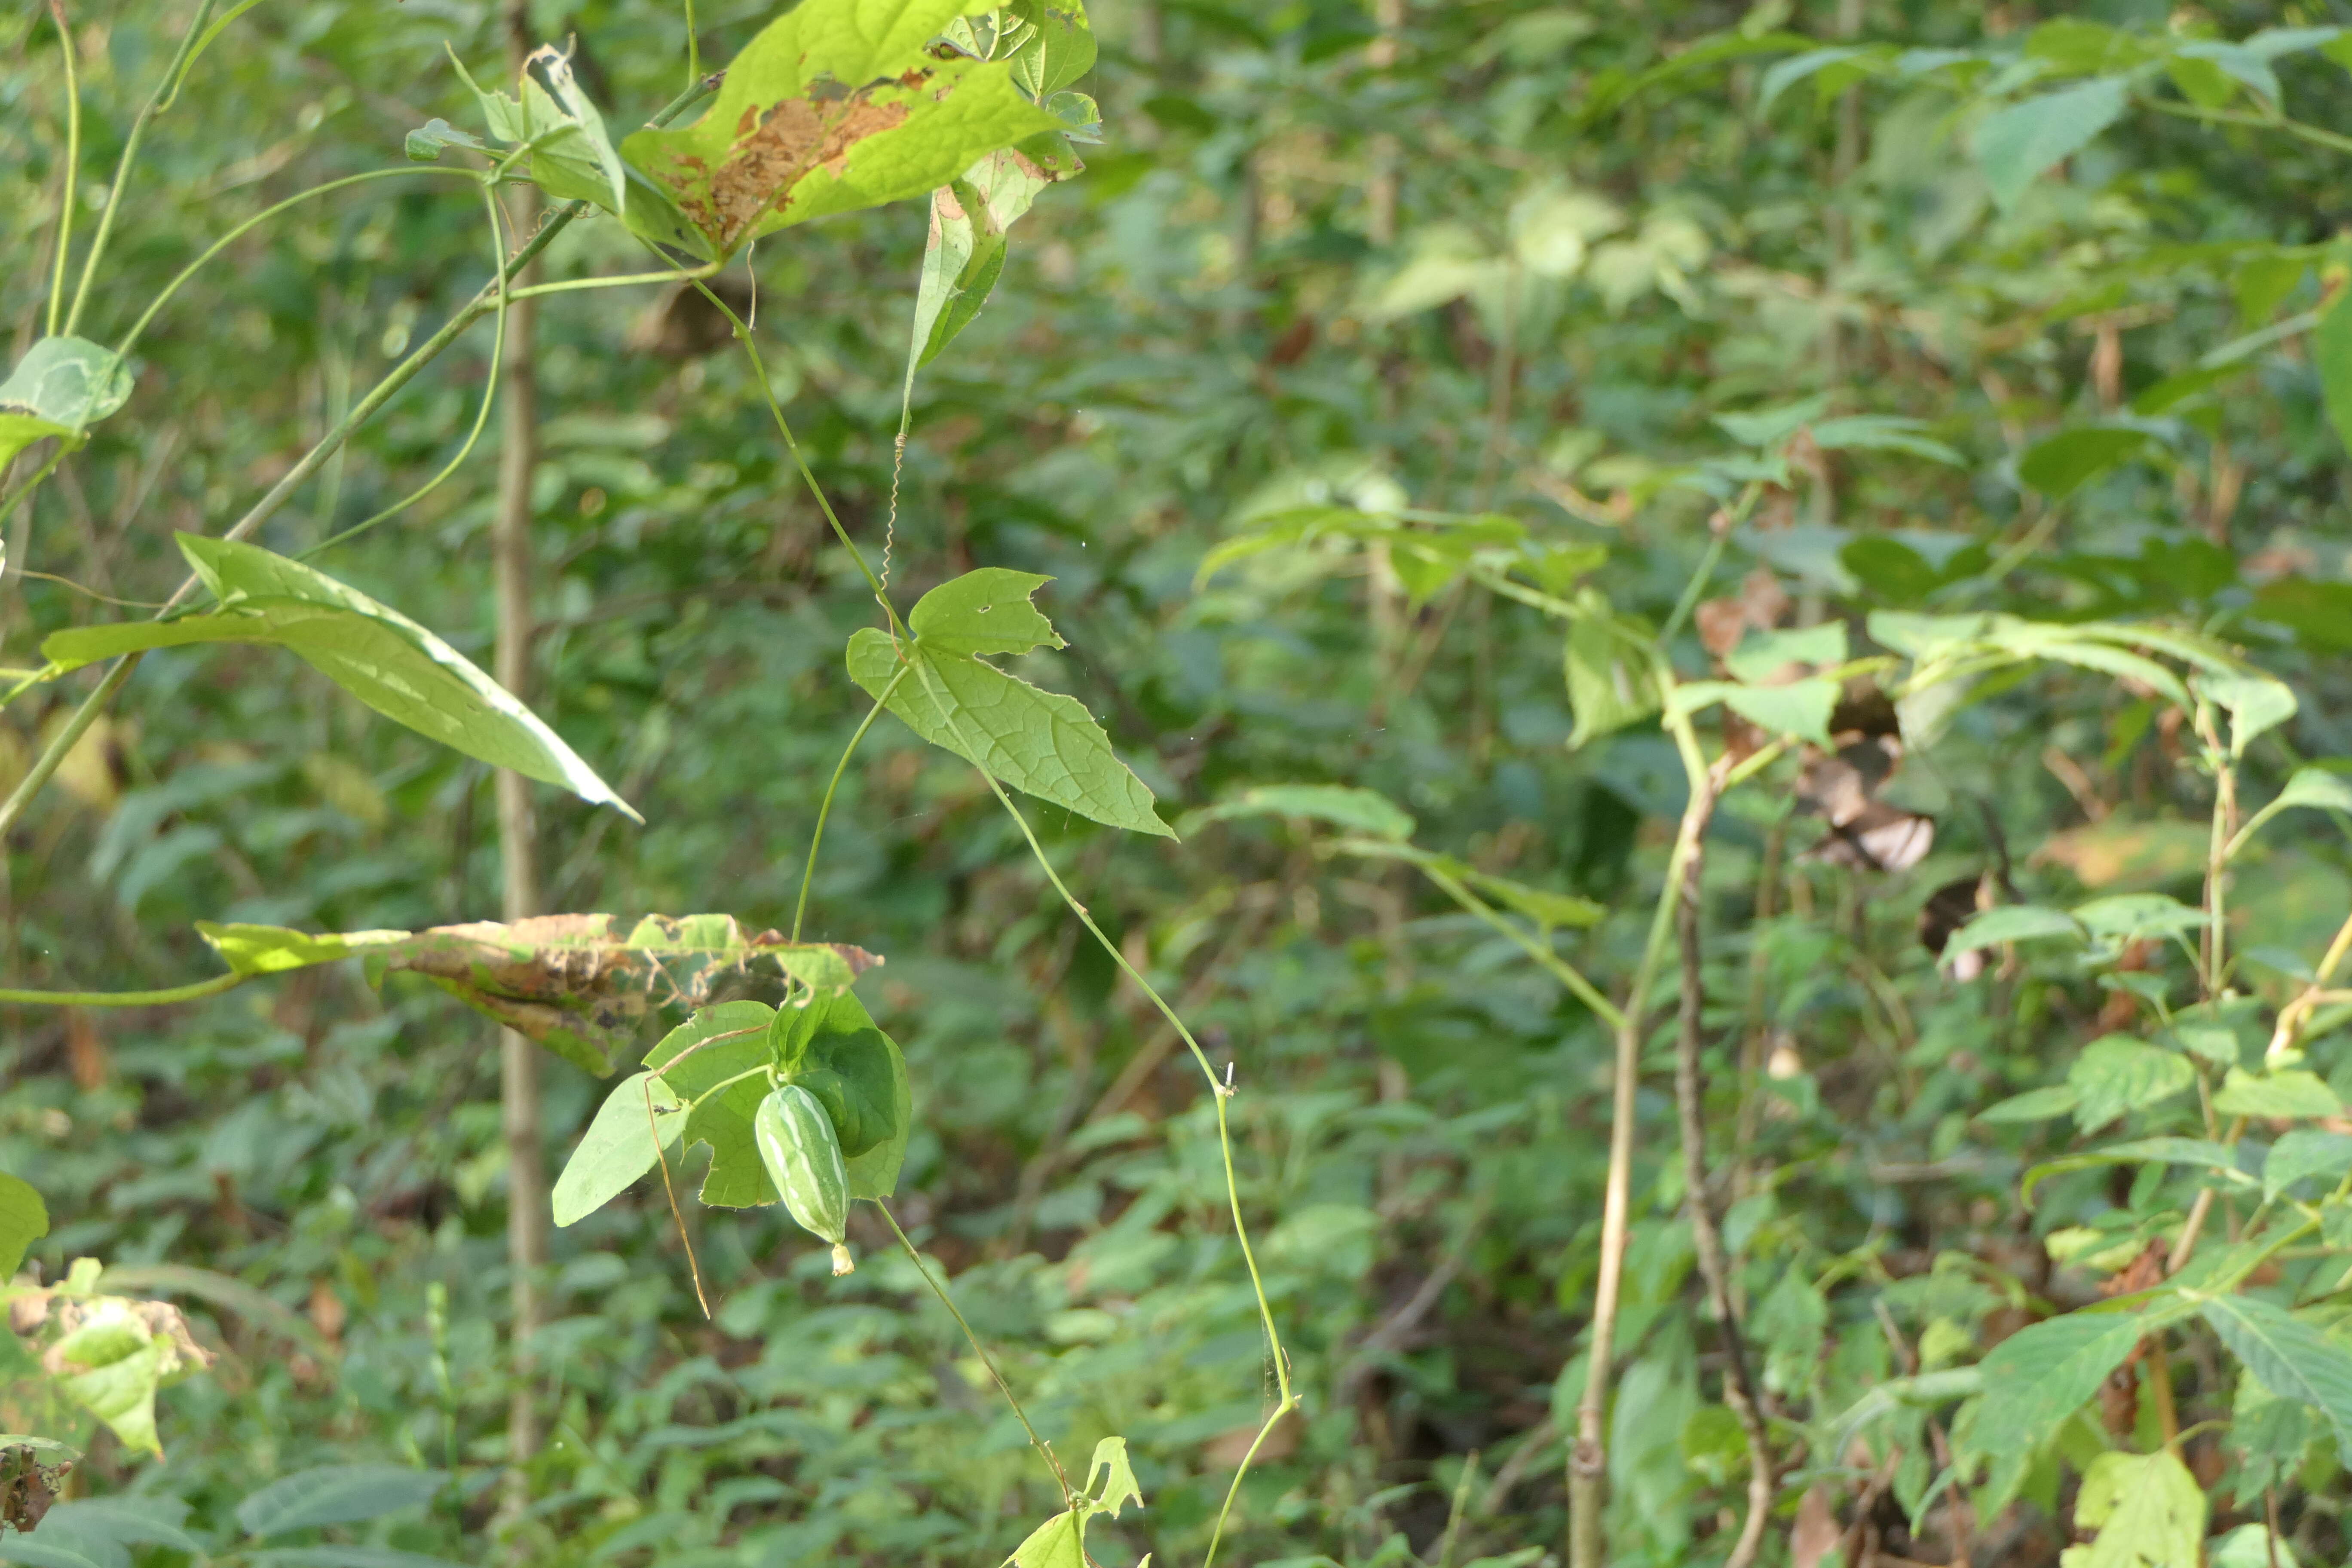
(803, 1153)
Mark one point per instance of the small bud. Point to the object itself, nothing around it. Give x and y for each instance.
(841, 1260)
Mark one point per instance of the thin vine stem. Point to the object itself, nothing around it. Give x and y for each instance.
(193, 992)
(1220, 1092)
(1061, 1478)
(155, 307)
(1559, 968)
(68, 187)
(792, 446)
(45, 765)
(575, 285)
(825, 807)
(164, 92)
(489, 391)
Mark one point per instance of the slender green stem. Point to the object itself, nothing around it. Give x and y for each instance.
(45, 765)
(139, 328)
(68, 188)
(1696, 586)
(696, 1103)
(14, 499)
(165, 91)
(825, 807)
(693, 46)
(1550, 604)
(574, 285)
(1060, 1478)
(481, 415)
(1557, 967)
(1219, 1093)
(2313, 135)
(1233, 1491)
(193, 992)
(784, 427)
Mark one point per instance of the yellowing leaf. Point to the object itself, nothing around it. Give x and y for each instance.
(2149, 1510)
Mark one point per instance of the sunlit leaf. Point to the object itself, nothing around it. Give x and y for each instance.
(2149, 1510)
(2289, 1092)
(835, 105)
(637, 1120)
(24, 1220)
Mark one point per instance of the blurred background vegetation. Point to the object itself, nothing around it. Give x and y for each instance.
(1492, 255)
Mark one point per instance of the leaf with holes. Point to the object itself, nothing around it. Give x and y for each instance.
(2149, 1510)
(1039, 743)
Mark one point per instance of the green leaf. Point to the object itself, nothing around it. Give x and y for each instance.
(695, 1059)
(1058, 50)
(1342, 805)
(835, 105)
(1544, 908)
(2306, 1152)
(1801, 708)
(2125, 917)
(376, 654)
(2288, 1093)
(2016, 145)
(2218, 1158)
(2318, 613)
(619, 1146)
(275, 950)
(832, 1048)
(1117, 1486)
(2149, 1510)
(343, 1557)
(1040, 743)
(24, 1220)
(1761, 655)
(59, 388)
(2011, 922)
(1883, 433)
(573, 982)
(2039, 1376)
(336, 1494)
(2331, 351)
(1059, 1542)
(113, 1362)
(2254, 702)
(1608, 685)
(429, 141)
(2117, 1074)
(2067, 461)
(2251, 1546)
(32, 1551)
(2319, 788)
(2034, 1105)
(2293, 1359)
(573, 158)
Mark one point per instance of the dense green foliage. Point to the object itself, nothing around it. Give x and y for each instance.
(1427, 457)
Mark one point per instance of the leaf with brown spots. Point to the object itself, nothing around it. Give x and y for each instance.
(836, 105)
(575, 983)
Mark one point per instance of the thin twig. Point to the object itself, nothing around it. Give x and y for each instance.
(1739, 1385)
(692, 1267)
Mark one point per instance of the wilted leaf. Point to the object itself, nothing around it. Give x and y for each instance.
(835, 105)
(573, 983)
